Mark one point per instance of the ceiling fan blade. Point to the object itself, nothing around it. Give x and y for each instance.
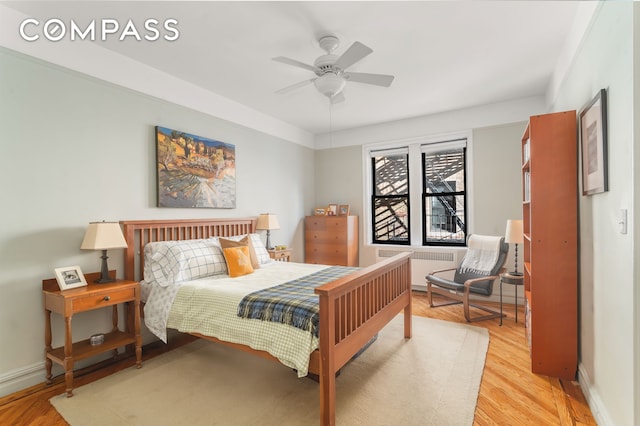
(337, 98)
(295, 86)
(295, 63)
(377, 79)
(354, 53)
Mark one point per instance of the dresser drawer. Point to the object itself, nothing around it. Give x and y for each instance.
(326, 237)
(326, 224)
(319, 253)
(104, 299)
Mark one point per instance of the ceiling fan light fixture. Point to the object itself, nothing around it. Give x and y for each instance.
(329, 84)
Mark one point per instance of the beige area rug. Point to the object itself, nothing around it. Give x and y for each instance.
(431, 379)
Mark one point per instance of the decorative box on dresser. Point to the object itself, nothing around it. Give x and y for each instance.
(331, 240)
(550, 227)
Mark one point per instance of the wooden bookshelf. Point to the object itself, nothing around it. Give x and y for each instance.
(550, 227)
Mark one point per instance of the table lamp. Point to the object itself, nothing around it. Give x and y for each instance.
(513, 235)
(268, 221)
(103, 236)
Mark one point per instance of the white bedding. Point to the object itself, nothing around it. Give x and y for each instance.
(209, 306)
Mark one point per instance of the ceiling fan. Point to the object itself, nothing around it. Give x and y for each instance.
(330, 69)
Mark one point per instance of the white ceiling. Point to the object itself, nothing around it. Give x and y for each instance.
(445, 55)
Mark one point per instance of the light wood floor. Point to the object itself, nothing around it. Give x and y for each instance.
(509, 393)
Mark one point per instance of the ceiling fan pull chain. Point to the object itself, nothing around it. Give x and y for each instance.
(330, 123)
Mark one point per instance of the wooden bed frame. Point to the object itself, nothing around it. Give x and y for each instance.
(353, 309)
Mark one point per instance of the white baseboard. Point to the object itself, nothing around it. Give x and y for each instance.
(598, 410)
(22, 378)
(35, 374)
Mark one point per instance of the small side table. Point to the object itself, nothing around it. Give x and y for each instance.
(280, 255)
(515, 280)
(87, 298)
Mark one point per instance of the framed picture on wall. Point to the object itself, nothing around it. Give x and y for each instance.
(593, 142)
(70, 277)
(194, 171)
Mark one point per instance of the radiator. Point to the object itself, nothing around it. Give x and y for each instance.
(423, 261)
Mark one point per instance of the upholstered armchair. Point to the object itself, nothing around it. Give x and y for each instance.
(475, 276)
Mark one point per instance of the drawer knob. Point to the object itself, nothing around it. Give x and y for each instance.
(107, 298)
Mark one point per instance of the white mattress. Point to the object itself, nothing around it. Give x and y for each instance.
(209, 306)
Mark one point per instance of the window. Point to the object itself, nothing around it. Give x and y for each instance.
(443, 192)
(390, 200)
(418, 194)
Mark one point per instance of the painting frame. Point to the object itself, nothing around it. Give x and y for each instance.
(70, 277)
(332, 210)
(343, 210)
(593, 143)
(194, 171)
(319, 211)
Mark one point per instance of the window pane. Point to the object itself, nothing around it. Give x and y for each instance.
(444, 219)
(444, 171)
(391, 175)
(444, 197)
(391, 219)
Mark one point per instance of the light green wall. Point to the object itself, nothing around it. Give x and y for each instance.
(608, 357)
(76, 150)
(636, 203)
(339, 177)
(496, 177)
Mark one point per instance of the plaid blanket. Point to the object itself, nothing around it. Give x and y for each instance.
(293, 303)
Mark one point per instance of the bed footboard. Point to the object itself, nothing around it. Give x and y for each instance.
(352, 310)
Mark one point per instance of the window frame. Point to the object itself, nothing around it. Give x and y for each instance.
(374, 197)
(438, 147)
(415, 186)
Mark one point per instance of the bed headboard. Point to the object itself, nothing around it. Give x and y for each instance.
(138, 233)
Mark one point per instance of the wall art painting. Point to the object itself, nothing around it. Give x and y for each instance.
(593, 138)
(194, 171)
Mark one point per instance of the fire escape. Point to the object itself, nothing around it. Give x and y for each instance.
(439, 168)
(391, 213)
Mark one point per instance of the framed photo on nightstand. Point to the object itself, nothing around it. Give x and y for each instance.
(70, 277)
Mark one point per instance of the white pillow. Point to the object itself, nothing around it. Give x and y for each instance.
(261, 250)
(168, 262)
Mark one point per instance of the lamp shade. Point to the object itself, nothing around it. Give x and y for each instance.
(103, 236)
(513, 234)
(267, 221)
(329, 84)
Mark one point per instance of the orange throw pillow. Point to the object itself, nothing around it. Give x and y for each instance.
(238, 261)
(246, 241)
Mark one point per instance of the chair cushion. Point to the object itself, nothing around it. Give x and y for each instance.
(484, 288)
(479, 288)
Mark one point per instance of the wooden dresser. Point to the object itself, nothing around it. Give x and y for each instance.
(331, 240)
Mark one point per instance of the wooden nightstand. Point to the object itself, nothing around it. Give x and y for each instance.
(280, 255)
(81, 299)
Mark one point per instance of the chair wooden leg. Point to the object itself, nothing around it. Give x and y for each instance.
(430, 292)
(467, 313)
